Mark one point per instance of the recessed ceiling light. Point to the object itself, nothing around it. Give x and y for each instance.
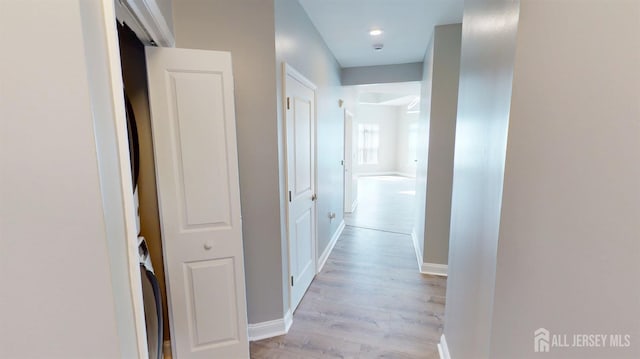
(375, 32)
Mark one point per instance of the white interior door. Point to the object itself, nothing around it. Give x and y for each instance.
(349, 159)
(301, 214)
(354, 160)
(194, 137)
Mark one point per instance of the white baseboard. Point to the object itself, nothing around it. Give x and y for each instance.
(416, 247)
(404, 174)
(354, 206)
(270, 329)
(434, 269)
(332, 243)
(373, 174)
(288, 320)
(426, 268)
(443, 348)
(385, 173)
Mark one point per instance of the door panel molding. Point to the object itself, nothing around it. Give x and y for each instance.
(194, 139)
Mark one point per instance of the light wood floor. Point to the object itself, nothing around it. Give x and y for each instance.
(369, 301)
(386, 203)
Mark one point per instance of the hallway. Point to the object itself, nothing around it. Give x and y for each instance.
(369, 301)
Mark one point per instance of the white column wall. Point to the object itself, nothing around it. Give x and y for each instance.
(486, 71)
(569, 247)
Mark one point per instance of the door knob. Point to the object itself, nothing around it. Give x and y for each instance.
(208, 246)
(314, 197)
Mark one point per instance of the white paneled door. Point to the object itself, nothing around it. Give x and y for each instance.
(194, 138)
(350, 157)
(301, 183)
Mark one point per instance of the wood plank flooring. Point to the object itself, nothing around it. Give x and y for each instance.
(386, 203)
(369, 301)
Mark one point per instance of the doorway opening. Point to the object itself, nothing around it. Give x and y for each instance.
(134, 70)
(380, 157)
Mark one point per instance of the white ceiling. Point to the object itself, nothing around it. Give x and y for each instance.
(407, 25)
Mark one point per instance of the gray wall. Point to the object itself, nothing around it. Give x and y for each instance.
(442, 128)
(364, 75)
(569, 248)
(548, 237)
(486, 71)
(300, 45)
(62, 290)
(246, 29)
(436, 139)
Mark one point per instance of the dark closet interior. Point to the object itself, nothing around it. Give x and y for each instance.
(134, 74)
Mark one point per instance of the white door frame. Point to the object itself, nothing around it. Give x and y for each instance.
(101, 36)
(287, 70)
(103, 56)
(347, 187)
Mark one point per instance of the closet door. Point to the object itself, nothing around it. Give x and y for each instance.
(194, 137)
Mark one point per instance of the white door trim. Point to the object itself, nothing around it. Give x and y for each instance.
(288, 70)
(443, 348)
(101, 40)
(146, 20)
(348, 207)
(101, 37)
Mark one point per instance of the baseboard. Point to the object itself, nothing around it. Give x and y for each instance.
(288, 320)
(332, 243)
(373, 174)
(443, 348)
(434, 269)
(391, 173)
(270, 329)
(408, 175)
(354, 206)
(386, 173)
(416, 247)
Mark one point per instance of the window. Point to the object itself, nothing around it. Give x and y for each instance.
(368, 143)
